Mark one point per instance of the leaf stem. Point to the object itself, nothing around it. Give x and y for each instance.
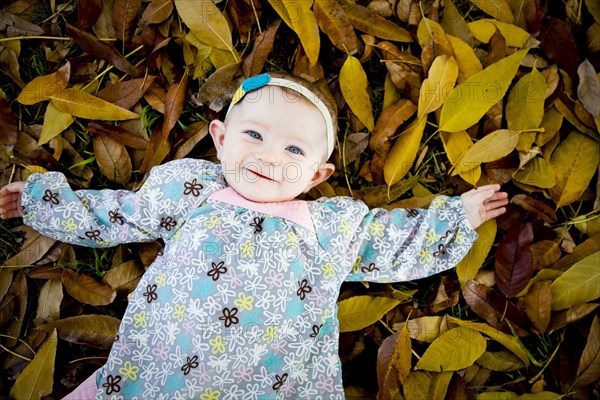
(8, 39)
(536, 377)
(20, 340)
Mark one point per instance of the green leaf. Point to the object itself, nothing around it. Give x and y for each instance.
(358, 312)
(578, 284)
(37, 378)
(470, 100)
(455, 349)
(354, 84)
(492, 147)
(537, 172)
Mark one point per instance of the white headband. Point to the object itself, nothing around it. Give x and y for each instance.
(259, 81)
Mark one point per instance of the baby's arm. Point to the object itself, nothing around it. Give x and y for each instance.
(10, 200)
(484, 203)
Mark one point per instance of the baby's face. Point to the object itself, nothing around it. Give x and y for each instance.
(272, 146)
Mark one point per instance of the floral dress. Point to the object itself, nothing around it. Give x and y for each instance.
(241, 303)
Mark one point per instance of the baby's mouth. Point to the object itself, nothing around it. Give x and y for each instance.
(261, 176)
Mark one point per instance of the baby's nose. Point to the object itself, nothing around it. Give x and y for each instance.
(268, 155)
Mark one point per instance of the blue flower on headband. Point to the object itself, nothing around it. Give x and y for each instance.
(250, 84)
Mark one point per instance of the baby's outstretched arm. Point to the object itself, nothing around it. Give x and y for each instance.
(484, 203)
(10, 200)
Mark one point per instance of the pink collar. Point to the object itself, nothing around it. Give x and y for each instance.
(293, 210)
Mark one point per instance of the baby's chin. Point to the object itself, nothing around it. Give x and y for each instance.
(261, 196)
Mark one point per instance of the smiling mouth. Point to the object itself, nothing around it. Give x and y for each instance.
(260, 175)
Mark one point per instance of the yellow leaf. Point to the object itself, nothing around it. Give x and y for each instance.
(537, 172)
(84, 105)
(439, 385)
(541, 396)
(431, 33)
(498, 9)
(299, 16)
(468, 63)
(575, 162)
(370, 22)
(55, 121)
(441, 79)
(416, 386)
(37, 378)
(551, 122)
(500, 361)
(207, 22)
(402, 155)
(470, 100)
(455, 349)
(358, 312)
(578, 284)
(496, 396)
(42, 87)
(454, 23)
(483, 29)
(456, 145)
(525, 105)
(491, 148)
(505, 340)
(468, 267)
(354, 83)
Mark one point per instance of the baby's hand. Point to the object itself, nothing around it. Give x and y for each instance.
(10, 200)
(484, 203)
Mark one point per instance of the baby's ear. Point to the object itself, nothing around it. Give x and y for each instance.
(323, 172)
(217, 132)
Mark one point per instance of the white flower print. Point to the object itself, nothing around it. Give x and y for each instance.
(171, 331)
(253, 392)
(165, 370)
(240, 358)
(220, 364)
(264, 378)
(257, 352)
(195, 310)
(192, 387)
(233, 392)
(223, 380)
(151, 389)
(180, 294)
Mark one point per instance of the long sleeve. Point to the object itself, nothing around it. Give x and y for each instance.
(103, 218)
(399, 245)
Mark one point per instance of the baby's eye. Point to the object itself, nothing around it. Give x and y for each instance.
(295, 150)
(254, 135)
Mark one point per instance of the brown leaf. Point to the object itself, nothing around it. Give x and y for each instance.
(588, 370)
(573, 314)
(190, 138)
(118, 134)
(447, 296)
(335, 24)
(88, 12)
(538, 208)
(304, 69)
(103, 50)
(16, 26)
(388, 123)
(8, 129)
(125, 18)
(243, 16)
(545, 253)
(537, 305)
(219, 88)
(478, 298)
(263, 44)
(123, 277)
(155, 96)
(85, 289)
(34, 248)
(6, 278)
(10, 299)
(514, 261)
(156, 12)
(17, 295)
(112, 158)
(97, 331)
(10, 65)
(354, 145)
(584, 249)
(126, 94)
(498, 49)
(378, 196)
(558, 44)
(534, 12)
(393, 363)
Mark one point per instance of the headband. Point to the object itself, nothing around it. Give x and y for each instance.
(260, 81)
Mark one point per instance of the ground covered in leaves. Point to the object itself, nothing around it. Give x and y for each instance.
(433, 97)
